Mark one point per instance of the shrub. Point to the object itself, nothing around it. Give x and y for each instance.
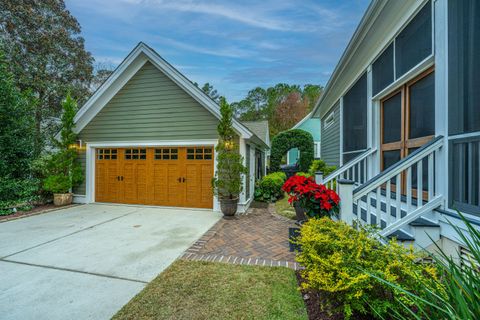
(295, 138)
(62, 170)
(320, 165)
(339, 262)
(316, 199)
(15, 192)
(269, 188)
(460, 298)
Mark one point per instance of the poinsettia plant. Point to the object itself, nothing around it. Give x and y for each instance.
(317, 200)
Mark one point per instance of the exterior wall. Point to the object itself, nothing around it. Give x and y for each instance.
(150, 107)
(312, 126)
(330, 143)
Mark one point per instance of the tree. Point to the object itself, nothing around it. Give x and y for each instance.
(288, 112)
(64, 172)
(16, 139)
(211, 92)
(47, 55)
(100, 75)
(311, 93)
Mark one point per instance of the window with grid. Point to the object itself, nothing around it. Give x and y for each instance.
(135, 154)
(166, 154)
(200, 153)
(106, 154)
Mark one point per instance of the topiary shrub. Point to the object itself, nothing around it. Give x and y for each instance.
(341, 264)
(295, 138)
(269, 188)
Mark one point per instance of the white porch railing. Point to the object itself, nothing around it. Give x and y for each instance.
(355, 170)
(403, 187)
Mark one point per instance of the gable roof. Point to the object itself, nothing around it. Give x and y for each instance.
(299, 123)
(127, 69)
(260, 129)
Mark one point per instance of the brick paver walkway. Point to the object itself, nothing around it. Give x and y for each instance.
(258, 237)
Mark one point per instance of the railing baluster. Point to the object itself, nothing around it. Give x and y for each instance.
(409, 190)
(379, 208)
(364, 171)
(387, 204)
(398, 196)
(354, 171)
(368, 207)
(431, 186)
(420, 183)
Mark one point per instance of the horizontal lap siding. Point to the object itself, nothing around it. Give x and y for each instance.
(150, 107)
(330, 140)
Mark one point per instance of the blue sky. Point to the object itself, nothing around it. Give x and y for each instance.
(234, 45)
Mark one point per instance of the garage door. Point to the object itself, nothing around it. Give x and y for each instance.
(164, 176)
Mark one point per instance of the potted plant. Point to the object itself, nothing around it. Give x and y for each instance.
(227, 183)
(315, 199)
(62, 170)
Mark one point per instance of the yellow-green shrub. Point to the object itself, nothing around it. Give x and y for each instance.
(269, 188)
(339, 260)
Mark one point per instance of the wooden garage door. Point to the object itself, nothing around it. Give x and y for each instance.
(164, 176)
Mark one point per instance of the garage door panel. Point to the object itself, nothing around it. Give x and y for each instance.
(170, 176)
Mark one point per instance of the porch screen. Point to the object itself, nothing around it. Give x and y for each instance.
(382, 70)
(355, 119)
(464, 105)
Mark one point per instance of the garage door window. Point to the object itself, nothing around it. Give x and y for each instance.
(199, 153)
(166, 154)
(106, 154)
(135, 154)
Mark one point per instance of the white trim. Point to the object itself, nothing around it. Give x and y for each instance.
(132, 63)
(465, 135)
(341, 131)
(90, 160)
(299, 123)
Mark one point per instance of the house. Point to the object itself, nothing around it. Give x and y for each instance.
(148, 135)
(400, 116)
(312, 126)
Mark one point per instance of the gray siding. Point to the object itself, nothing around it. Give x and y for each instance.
(149, 107)
(330, 139)
(82, 157)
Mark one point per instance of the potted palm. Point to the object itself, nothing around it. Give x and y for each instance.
(227, 183)
(62, 170)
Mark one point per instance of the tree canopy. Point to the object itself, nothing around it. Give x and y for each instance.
(46, 55)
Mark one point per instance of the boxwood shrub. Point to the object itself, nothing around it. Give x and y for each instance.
(269, 188)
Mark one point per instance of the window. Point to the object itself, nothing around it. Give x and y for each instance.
(166, 154)
(135, 154)
(107, 154)
(329, 120)
(414, 43)
(199, 153)
(382, 70)
(316, 150)
(464, 66)
(355, 116)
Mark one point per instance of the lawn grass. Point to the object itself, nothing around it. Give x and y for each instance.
(283, 208)
(206, 290)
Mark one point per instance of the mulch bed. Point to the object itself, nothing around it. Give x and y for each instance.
(44, 208)
(313, 302)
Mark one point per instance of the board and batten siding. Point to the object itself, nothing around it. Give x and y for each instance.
(330, 138)
(149, 107)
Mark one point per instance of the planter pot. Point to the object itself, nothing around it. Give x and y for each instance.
(62, 199)
(300, 212)
(229, 207)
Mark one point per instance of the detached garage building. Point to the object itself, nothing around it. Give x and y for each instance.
(148, 135)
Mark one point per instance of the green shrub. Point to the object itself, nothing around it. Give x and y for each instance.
(295, 138)
(339, 262)
(460, 298)
(15, 192)
(320, 165)
(269, 188)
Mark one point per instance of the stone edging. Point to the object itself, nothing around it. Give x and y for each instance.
(40, 212)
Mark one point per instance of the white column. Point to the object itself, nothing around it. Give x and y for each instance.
(243, 152)
(345, 192)
(319, 177)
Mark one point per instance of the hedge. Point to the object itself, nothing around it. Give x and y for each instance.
(295, 138)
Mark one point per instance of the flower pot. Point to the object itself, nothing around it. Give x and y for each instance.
(300, 212)
(62, 199)
(229, 207)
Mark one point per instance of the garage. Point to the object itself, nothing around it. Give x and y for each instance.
(163, 176)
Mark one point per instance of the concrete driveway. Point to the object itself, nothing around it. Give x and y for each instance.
(86, 262)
